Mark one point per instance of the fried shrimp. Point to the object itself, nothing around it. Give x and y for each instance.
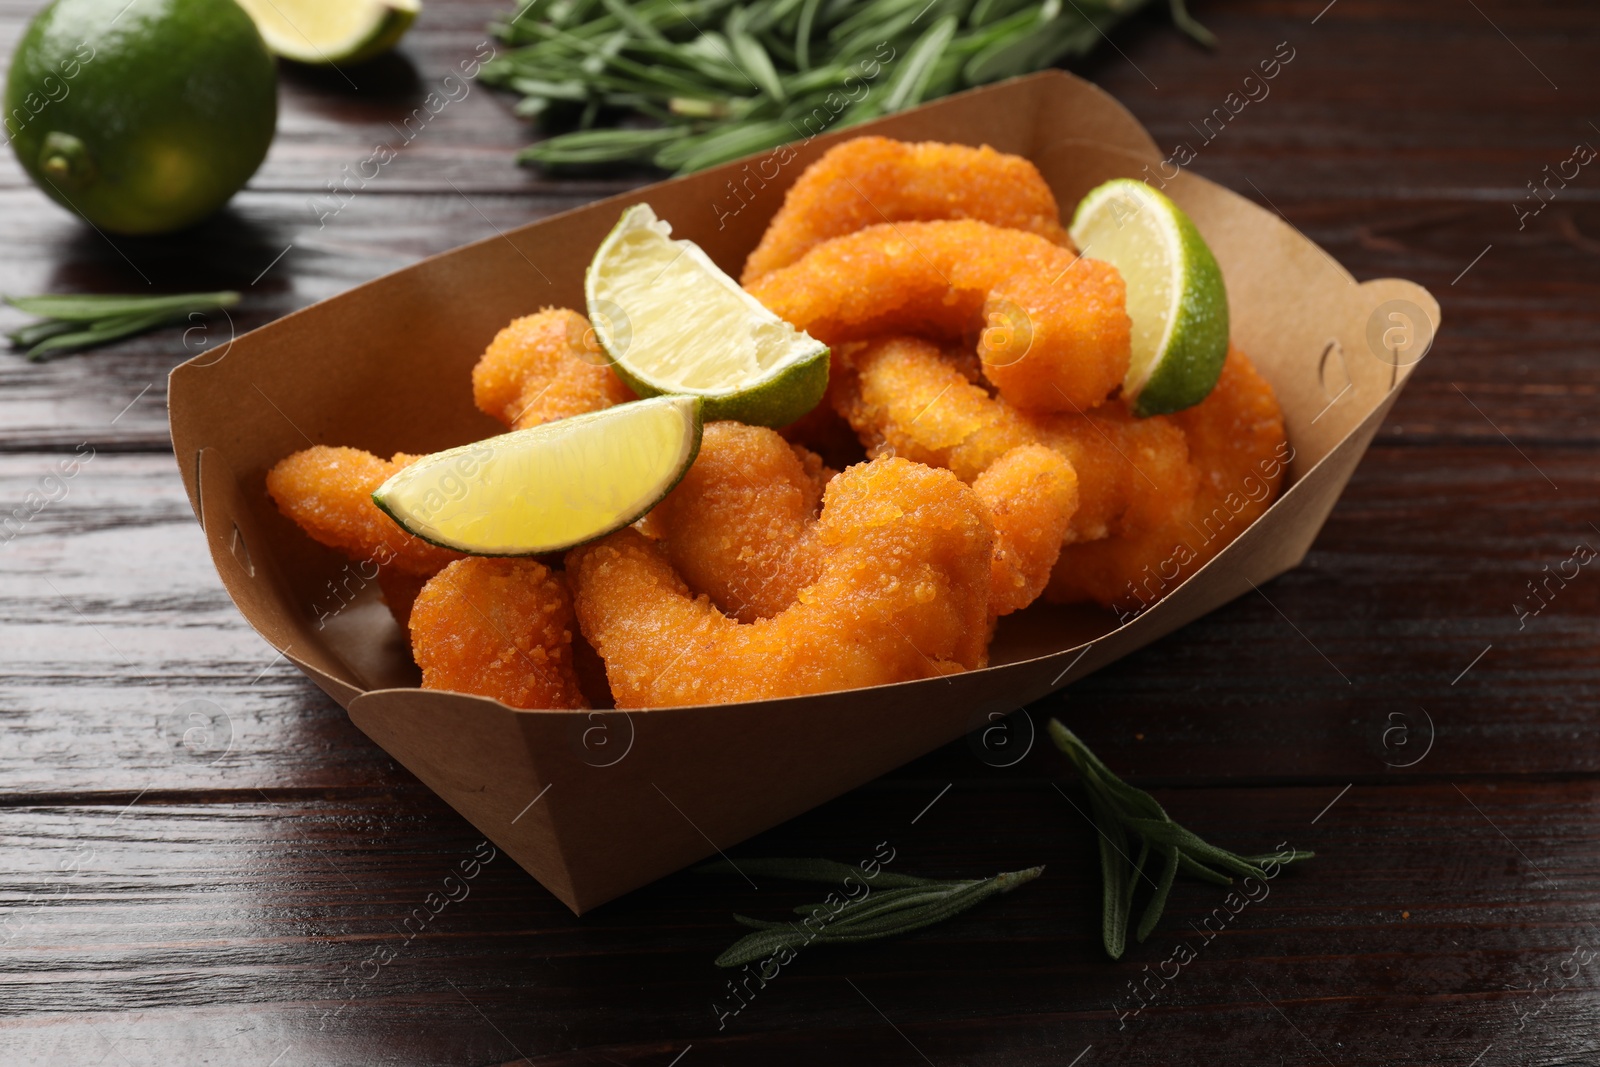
(902, 394)
(741, 525)
(909, 400)
(545, 367)
(903, 594)
(499, 628)
(1054, 327)
(1031, 494)
(1237, 441)
(328, 493)
(1134, 474)
(869, 180)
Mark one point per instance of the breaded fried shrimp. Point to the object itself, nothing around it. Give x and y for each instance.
(741, 525)
(869, 180)
(1054, 328)
(911, 401)
(902, 394)
(1133, 474)
(545, 367)
(903, 594)
(1236, 439)
(1031, 493)
(328, 493)
(499, 628)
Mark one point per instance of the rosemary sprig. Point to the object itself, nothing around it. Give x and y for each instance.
(77, 322)
(1122, 814)
(730, 77)
(895, 904)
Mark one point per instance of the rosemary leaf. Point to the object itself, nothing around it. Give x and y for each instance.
(83, 321)
(1158, 900)
(916, 919)
(753, 947)
(1187, 23)
(749, 60)
(1088, 764)
(906, 86)
(93, 308)
(1279, 858)
(877, 915)
(583, 147)
(99, 333)
(1189, 865)
(752, 59)
(802, 33)
(1170, 833)
(31, 335)
(1116, 873)
(1122, 811)
(719, 146)
(884, 897)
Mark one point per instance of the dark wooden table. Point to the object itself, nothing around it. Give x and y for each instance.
(225, 901)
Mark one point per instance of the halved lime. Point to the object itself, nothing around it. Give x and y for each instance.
(1176, 298)
(548, 487)
(326, 32)
(673, 322)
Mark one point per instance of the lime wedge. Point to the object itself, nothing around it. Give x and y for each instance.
(673, 322)
(327, 32)
(1176, 299)
(548, 487)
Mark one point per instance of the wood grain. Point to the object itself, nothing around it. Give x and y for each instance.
(200, 856)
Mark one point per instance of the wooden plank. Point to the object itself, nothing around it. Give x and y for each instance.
(1417, 918)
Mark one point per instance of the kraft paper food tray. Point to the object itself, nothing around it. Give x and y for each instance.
(594, 804)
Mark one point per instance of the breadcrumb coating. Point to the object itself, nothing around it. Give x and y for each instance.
(903, 594)
(1133, 474)
(1031, 493)
(1053, 328)
(1237, 441)
(741, 527)
(904, 397)
(869, 180)
(328, 491)
(499, 628)
(545, 367)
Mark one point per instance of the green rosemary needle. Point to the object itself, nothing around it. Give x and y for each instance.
(893, 904)
(1123, 815)
(76, 322)
(730, 77)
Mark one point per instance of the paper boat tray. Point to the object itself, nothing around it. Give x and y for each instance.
(594, 804)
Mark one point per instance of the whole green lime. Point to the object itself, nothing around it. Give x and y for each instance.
(141, 116)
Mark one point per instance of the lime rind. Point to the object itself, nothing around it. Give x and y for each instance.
(298, 37)
(649, 344)
(1180, 368)
(467, 498)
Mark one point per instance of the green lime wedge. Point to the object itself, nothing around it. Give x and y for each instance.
(326, 32)
(1176, 299)
(548, 487)
(673, 322)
